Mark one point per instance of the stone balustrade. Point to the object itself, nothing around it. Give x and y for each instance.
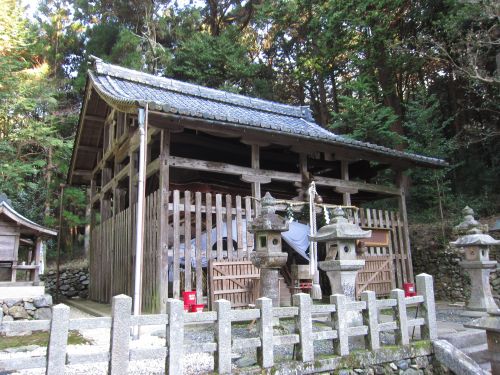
(224, 344)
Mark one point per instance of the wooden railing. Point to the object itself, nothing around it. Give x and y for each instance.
(340, 310)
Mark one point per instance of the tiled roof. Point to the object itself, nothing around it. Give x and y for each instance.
(129, 87)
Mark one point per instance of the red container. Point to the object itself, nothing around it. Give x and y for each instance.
(409, 289)
(196, 308)
(189, 298)
(187, 307)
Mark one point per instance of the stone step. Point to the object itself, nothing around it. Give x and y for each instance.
(486, 366)
(469, 350)
(465, 339)
(481, 356)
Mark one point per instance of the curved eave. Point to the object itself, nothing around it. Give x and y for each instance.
(15, 216)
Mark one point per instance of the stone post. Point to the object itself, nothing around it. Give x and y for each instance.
(222, 356)
(268, 257)
(265, 353)
(175, 337)
(476, 244)
(340, 264)
(58, 340)
(120, 335)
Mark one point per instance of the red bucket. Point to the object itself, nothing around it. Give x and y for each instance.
(409, 289)
(197, 308)
(189, 298)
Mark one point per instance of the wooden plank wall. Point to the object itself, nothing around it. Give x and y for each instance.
(112, 251)
(193, 216)
(391, 221)
(189, 215)
(112, 256)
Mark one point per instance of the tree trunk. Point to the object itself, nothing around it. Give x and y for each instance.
(335, 97)
(324, 116)
(48, 178)
(385, 75)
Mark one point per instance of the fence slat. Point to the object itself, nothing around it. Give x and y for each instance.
(248, 218)
(239, 227)
(218, 223)
(187, 241)
(120, 335)
(176, 284)
(208, 219)
(199, 271)
(229, 226)
(58, 340)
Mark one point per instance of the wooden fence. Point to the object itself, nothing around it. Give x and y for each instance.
(216, 223)
(340, 310)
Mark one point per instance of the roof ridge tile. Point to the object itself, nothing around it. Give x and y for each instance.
(196, 90)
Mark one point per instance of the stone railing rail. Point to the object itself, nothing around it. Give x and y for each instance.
(120, 352)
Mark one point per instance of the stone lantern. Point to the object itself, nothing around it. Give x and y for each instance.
(340, 264)
(476, 244)
(268, 257)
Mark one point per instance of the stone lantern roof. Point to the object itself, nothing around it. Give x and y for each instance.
(473, 232)
(340, 229)
(268, 220)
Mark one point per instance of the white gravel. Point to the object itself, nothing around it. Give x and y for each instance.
(197, 363)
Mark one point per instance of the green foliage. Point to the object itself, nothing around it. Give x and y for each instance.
(431, 189)
(220, 62)
(365, 120)
(391, 72)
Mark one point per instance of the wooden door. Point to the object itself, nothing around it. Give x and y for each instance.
(234, 280)
(377, 275)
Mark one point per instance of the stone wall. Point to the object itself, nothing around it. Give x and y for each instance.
(432, 256)
(26, 308)
(72, 282)
(411, 366)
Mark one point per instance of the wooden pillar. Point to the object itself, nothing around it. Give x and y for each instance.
(36, 273)
(88, 213)
(256, 193)
(402, 182)
(344, 170)
(163, 219)
(132, 173)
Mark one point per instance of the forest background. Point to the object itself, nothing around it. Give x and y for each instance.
(421, 75)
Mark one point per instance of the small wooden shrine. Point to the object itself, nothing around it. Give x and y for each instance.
(20, 276)
(190, 162)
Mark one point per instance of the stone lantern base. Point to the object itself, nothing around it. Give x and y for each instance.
(269, 265)
(481, 299)
(342, 275)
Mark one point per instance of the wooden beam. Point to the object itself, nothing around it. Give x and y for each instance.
(82, 172)
(88, 148)
(253, 178)
(202, 165)
(347, 150)
(95, 118)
